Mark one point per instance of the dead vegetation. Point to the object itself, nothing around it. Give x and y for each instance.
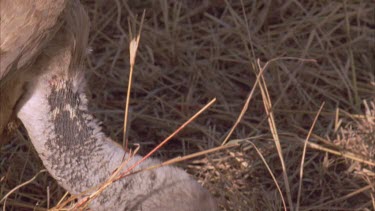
(193, 51)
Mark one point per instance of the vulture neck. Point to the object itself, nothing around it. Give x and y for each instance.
(79, 156)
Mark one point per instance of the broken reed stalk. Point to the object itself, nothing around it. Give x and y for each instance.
(272, 175)
(268, 108)
(21, 185)
(244, 108)
(167, 139)
(271, 120)
(304, 155)
(133, 47)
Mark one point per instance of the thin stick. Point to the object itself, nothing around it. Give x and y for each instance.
(197, 154)
(244, 108)
(344, 154)
(271, 120)
(187, 157)
(247, 102)
(304, 155)
(134, 43)
(62, 199)
(168, 138)
(272, 175)
(347, 196)
(22, 184)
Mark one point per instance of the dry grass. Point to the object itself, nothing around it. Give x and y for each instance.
(193, 51)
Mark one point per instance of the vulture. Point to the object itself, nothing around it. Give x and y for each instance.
(42, 80)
